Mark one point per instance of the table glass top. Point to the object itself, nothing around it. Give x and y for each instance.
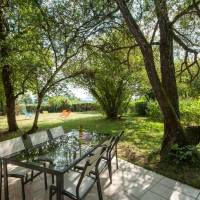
(62, 153)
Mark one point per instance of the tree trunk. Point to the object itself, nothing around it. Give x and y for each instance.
(6, 71)
(112, 114)
(167, 74)
(37, 113)
(2, 107)
(173, 131)
(10, 98)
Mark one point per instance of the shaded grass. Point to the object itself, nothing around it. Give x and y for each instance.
(140, 144)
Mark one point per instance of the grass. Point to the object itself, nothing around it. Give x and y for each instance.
(140, 145)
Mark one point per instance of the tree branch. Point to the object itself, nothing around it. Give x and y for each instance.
(186, 11)
(154, 32)
(183, 45)
(65, 78)
(23, 84)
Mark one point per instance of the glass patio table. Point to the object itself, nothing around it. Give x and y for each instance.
(59, 155)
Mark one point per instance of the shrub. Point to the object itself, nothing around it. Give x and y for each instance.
(141, 107)
(153, 110)
(131, 107)
(184, 154)
(189, 111)
(83, 107)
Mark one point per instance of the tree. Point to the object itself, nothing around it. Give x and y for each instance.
(165, 89)
(16, 45)
(6, 69)
(62, 38)
(111, 75)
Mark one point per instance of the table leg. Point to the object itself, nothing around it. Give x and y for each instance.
(59, 186)
(5, 173)
(0, 178)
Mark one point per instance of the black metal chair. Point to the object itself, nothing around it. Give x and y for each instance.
(110, 153)
(77, 185)
(36, 140)
(10, 147)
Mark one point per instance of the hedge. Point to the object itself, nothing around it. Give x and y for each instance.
(189, 111)
(74, 107)
(141, 107)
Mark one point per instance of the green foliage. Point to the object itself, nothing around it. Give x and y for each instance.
(111, 76)
(131, 107)
(189, 111)
(184, 154)
(59, 103)
(153, 110)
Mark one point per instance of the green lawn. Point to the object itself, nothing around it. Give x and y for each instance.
(140, 144)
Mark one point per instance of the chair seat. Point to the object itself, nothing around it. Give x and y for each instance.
(18, 171)
(71, 180)
(101, 167)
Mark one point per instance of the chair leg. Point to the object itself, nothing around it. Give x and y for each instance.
(0, 187)
(50, 193)
(23, 188)
(45, 181)
(32, 173)
(110, 170)
(0, 179)
(99, 187)
(117, 160)
(53, 180)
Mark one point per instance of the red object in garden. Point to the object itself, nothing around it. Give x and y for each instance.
(65, 113)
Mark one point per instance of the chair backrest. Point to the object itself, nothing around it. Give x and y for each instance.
(56, 131)
(115, 142)
(38, 138)
(90, 166)
(9, 147)
(108, 144)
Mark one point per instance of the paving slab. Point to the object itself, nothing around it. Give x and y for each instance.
(170, 193)
(151, 196)
(180, 187)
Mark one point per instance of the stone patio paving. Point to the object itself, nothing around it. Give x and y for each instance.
(130, 182)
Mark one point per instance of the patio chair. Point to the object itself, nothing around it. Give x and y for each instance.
(109, 154)
(77, 185)
(104, 162)
(56, 132)
(10, 147)
(37, 140)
